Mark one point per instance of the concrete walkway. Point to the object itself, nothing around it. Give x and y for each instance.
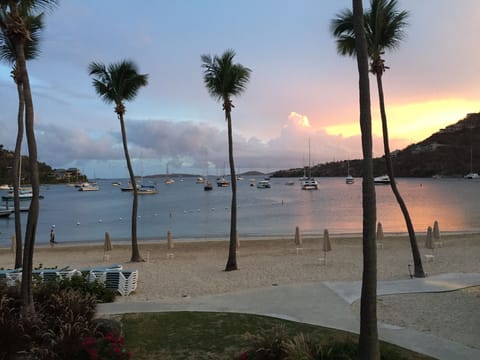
(326, 304)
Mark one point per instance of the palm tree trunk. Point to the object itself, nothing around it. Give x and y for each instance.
(32, 220)
(135, 251)
(232, 250)
(368, 347)
(16, 176)
(417, 259)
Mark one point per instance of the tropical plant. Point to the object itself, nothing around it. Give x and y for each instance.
(384, 26)
(13, 23)
(7, 53)
(117, 83)
(108, 347)
(368, 346)
(224, 79)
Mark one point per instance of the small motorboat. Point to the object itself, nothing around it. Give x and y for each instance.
(382, 180)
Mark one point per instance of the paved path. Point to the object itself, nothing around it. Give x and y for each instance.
(327, 304)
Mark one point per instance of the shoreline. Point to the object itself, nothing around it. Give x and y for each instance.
(248, 237)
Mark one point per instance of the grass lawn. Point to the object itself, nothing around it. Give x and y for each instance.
(204, 335)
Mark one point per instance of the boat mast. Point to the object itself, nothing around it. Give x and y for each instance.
(309, 163)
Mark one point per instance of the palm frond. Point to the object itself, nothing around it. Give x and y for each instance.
(384, 28)
(117, 82)
(222, 77)
(34, 25)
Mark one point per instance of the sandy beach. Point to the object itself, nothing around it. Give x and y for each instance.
(197, 268)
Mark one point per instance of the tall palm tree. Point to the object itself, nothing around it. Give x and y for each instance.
(117, 83)
(384, 26)
(224, 79)
(13, 26)
(34, 25)
(368, 347)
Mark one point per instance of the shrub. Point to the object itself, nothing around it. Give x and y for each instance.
(274, 344)
(54, 331)
(108, 347)
(267, 344)
(78, 283)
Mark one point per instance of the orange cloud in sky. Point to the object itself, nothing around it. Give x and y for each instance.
(413, 122)
(299, 119)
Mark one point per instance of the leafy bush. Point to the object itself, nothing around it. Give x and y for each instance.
(267, 344)
(108, 347)
(78, 283)
(54, 331)
(274, 344)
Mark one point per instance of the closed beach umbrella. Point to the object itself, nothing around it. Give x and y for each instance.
(380, 235)
(298, 237)
(107, 245)
(169, 240)
(13, 244)
(436, 231)
(326, 247)
(429, 239)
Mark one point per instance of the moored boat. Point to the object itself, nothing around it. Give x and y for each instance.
(309, 183)
(208, 186)
(222, 182)
(382, 180)
(147, 190)
(263, 184)
(5, 213)
(86, 186)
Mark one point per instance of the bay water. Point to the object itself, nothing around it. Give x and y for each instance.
(189, 212)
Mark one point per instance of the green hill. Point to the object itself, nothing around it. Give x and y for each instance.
(46, 173)
(450, 152)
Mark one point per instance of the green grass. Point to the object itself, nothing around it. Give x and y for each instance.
(212, 336)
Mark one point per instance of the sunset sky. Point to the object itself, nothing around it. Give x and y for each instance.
(300, 88)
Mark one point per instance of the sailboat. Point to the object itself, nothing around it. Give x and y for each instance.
(168, 180)
(222, 181)
(207, 184)
(349, 179)
(471, 174)
(309, 183)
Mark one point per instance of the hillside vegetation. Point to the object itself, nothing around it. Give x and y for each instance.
(47, 175)
(446, 153)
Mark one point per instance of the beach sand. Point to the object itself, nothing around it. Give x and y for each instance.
(196, 268)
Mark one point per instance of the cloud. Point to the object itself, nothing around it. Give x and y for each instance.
(190, 147)
(300, 120)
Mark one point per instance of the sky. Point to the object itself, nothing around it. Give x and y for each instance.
(300, 89)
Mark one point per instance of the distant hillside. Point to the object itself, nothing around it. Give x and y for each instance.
(46, 173)
(445, 153)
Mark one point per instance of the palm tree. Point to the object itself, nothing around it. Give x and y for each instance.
(117, 83)
(34, 25)
(384, 26)
(13, 26)
(368, 347)
(224, 79)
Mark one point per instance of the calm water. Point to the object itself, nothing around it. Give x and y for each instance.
(190, 212)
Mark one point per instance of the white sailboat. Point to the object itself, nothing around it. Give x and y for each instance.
(309, 183)
(349, 179)
(471, 174)
(168, 180)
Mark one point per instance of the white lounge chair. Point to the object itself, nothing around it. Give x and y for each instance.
(10, 277)
(123, 281)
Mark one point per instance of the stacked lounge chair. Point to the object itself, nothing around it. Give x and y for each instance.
(113, 276)
(10, 277)
(56, 274)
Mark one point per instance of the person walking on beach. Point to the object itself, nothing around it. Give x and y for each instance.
(52, 236)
